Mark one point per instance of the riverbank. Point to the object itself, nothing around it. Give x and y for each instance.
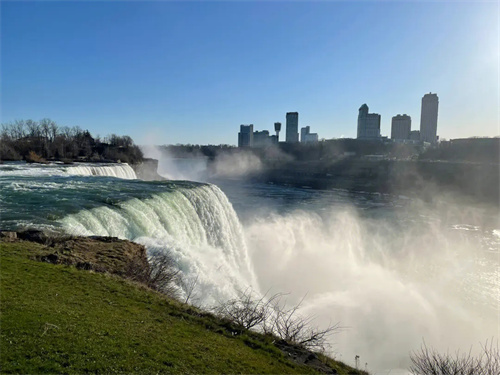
(57, 317)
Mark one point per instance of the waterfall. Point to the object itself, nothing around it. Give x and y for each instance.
(115, 170)
(120, 170)
(196, 225)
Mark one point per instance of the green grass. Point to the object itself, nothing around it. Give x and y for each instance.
(57, 319)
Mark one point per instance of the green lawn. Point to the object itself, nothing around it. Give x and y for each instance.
(57, 319)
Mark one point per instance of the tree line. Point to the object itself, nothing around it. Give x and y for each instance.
(38, 141)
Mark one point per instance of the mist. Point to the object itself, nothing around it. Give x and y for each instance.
(197, 167)
(192, 167)
(236, 165)
(392, 286)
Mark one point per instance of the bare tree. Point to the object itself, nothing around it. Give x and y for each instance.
(272, 316)
(160, 273)
(247, 310)
(289, 325)
(430, 362)
(189, 287)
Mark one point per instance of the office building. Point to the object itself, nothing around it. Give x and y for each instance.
(292, 127)
(401, 127)
(245, 136)
(262, 139)
(368, 124)
(306, 136)
(428, 118)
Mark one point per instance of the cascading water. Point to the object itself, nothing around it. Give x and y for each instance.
(120, 170)
(194, 222)
(114, 170)
(197, 225)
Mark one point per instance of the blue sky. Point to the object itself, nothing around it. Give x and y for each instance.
(167, 72)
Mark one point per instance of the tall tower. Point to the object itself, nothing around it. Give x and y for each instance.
(292, 127)
(277, 128)
(429, 118)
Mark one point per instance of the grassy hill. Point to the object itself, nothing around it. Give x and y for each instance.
(60, 319)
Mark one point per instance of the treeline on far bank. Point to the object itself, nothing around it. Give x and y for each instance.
(475, 149)
(40, 141)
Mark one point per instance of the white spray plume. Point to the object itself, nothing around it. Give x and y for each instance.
(192, 167)
(236, 164)
(392, 285)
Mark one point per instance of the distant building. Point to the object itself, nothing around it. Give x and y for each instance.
(262, 139)
(292, 127)
(368, 124)
(428, 118)
(245, 136)
(401, 127)
(311, 138)
(415, 135)
(306, 136)
(303, 131)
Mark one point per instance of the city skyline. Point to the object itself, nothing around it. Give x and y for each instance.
(368, 127)
(188, 72)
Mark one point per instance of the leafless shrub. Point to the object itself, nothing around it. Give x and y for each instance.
(289, 325)
(273, 317)
(189, 286)
(430, 362)
(160, 273)
(246, 310)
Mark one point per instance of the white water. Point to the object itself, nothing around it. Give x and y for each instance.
(118, 170)
(197, 225)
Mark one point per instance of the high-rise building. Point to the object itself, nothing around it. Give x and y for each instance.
(245, 136)
(428, 118)
(401, 127)
(292, 127)
(368, 124)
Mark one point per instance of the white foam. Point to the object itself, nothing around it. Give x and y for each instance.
(119, 170)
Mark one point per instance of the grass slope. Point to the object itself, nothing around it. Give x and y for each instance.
(58, 319)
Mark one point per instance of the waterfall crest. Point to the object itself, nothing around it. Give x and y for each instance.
(115, 170)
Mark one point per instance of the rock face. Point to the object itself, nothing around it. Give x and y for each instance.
(147, 170)
(100, 254)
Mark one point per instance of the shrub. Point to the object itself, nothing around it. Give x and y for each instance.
(273, 317)
(33, 157)
(430, 362)
(160, 273)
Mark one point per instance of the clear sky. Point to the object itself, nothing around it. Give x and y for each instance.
(167, 72)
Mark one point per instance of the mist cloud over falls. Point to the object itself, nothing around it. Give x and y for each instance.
(392, 285)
